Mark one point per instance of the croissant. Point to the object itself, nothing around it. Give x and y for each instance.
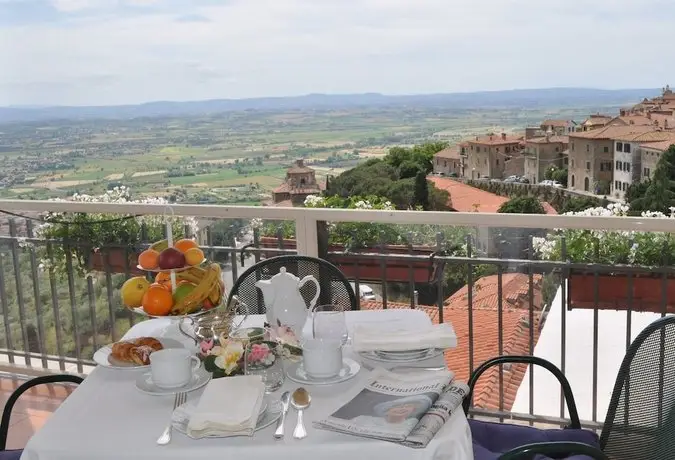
(136, 351)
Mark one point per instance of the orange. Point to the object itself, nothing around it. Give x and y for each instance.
(185, 244)
(194, 256)
(149, 259)
(164, 285)
(163, 277)
(157, 301)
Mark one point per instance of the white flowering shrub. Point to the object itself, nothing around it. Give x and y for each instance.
(609, 247)
(87, 231)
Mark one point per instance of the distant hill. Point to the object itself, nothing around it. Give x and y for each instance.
(525, 98)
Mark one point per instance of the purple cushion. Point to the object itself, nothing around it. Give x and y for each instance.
(490, 440)
(11, 454)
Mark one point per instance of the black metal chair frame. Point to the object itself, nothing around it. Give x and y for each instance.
(564, 449)
(323, 264)
(13, 398)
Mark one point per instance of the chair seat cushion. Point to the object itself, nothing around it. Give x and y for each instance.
(11, 454)
(490, 440)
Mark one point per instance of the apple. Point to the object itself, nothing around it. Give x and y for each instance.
(207, 304)
(171, 258)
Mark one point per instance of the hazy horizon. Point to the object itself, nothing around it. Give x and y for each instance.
(179, 101)
(118, 52)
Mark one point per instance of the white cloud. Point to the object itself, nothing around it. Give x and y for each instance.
(251, 48)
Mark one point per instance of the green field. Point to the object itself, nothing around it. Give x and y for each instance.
(200, 157)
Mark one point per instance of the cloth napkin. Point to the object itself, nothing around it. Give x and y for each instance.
(377, 338)
(229, 406)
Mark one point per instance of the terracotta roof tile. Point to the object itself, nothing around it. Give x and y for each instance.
(623, 120)
(464, 197)
(612, 132)
(494, 139)
(449, 152)
(660, 146)
(649, 136)
(485, 320)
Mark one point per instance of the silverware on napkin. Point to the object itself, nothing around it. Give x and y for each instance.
(165, 437)
(285, 402)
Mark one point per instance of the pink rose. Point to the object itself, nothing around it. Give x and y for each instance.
(206, 345)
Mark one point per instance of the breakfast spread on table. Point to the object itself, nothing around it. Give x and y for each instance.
(135, 351)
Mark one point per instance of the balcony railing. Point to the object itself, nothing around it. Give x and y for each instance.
(478, 271)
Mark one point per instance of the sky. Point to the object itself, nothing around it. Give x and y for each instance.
(109, 52)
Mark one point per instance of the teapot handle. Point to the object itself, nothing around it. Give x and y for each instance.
(305, 280)
(185, 333)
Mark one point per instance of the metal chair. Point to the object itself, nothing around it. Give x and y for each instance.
(335, 287)
(9, 405)
(640, 420)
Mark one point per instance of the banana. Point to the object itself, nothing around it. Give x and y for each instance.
(209, 282)
(160, 245)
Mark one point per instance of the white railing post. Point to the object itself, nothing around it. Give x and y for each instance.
(306, 237)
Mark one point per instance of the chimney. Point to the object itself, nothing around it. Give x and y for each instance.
(503, 136)
(300, 163)
(631, 122)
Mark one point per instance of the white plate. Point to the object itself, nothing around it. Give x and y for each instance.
(145, 384)
(408, 354)
(103, 357)
(296, 372)
(372, 355)
(269, 413)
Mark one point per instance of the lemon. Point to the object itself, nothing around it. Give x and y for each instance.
(133, 290)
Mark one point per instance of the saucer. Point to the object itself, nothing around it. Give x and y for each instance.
(389, 358)
(296, 372)
(145, 384)
(269, 413)
(103, 356)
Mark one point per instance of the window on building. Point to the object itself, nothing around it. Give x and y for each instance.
(588, 166)
(572, 163)
(626, 148)
(606, 149)
(572, 146)
(508, 149)
(588, 148)
(646, 172)
(497, 150)
(625, 186)
(626, 167)
(437, 161)
(586, 184)
(485, 161)
(557, 149)
(619, 147)
(572, 181)
(472, 147)
(497, 162)
(445, 163)
(618, 166)
(566, 161)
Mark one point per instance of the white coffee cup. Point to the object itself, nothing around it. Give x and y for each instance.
(322, 358)
(173, 367)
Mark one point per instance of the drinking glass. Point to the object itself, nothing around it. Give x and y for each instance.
(261, 359)
(328, 322)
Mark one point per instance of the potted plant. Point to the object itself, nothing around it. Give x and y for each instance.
(99, 241)
(615, 290)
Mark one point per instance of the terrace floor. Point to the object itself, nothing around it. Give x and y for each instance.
(32, 409)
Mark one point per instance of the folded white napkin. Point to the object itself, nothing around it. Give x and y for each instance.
(377, 338)
(229, 406)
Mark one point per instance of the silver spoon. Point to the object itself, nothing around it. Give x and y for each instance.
(300, 401)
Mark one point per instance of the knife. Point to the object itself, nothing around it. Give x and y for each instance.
(285, 402)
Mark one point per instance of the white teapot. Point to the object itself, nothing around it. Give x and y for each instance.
(284, 303)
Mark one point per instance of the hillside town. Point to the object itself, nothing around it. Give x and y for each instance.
(602, 155)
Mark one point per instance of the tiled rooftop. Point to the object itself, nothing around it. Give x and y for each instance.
(612, 132)
(555, 123)
(548, 140)
(449, 152)
(494, 139)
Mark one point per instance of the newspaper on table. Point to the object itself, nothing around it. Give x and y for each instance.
(405, 408)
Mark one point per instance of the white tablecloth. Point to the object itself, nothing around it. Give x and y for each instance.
(107, 418)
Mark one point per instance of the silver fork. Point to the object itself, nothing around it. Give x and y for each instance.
(165, 438)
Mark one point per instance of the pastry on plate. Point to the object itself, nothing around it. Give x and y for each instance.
(135, 351)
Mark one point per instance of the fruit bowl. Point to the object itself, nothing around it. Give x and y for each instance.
(176, 317)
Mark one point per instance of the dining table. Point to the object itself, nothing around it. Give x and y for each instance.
(108, 418)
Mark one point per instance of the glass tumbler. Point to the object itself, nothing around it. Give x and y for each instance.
(261, 358)
(328, 322)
